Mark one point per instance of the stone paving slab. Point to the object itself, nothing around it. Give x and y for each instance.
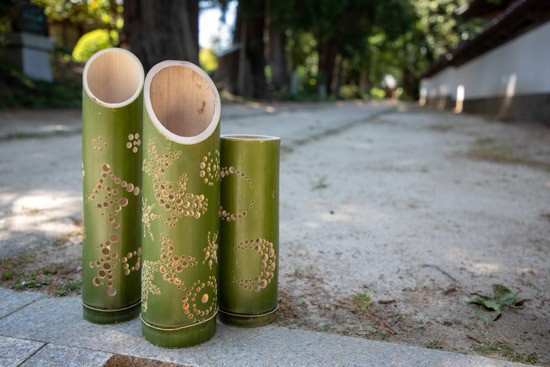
(59, 321)
(11, 301)
(15, 351)
(58, 355)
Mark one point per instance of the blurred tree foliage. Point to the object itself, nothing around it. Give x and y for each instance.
(327, 45)
(92, 42)
(288, 48)
(91, 14)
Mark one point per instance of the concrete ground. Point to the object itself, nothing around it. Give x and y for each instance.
(390, 215)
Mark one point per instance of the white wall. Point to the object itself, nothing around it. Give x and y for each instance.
(521, 66)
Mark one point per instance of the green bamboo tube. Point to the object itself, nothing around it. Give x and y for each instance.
(249, 229)
(180, 197)
(111, 158)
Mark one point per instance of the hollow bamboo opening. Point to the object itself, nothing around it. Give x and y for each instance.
(113, 77)
(183, 100)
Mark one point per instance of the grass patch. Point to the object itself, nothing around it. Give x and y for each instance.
(67, 288)
(11, 268)
(52, 269)
(490, 150)
(30, 281)
(34, 272)
(362, 301)
(504, 350)
(434, 344)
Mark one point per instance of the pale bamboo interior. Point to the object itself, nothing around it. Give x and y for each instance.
(114, 77)
(183, 101)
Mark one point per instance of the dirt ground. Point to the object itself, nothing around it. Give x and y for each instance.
(387, 225)
(426, 210)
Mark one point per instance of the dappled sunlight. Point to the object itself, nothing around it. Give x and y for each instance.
(353, 213)
(360, 145)
(340, 216)
(37, 214)
(459, 99)
(253, 105)
(409, 164)
(511, 85)
(37, 202)
(486, 268)
(509, 93)
(312, 225)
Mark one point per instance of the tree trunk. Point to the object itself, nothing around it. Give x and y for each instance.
(364, 84)
(327, 62)
(162, 30)
(255, 52)
(249, 31)
(410, 84)
(277, 58)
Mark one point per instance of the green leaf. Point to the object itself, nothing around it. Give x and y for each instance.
(492, 304)
(504, 295)
(487, 317)
(476, 298)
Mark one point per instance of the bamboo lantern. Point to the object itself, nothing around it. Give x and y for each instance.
(180, 198)
(249, 229)
(111, 180)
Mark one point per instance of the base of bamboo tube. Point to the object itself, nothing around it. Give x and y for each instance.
(247, 321)
(98, 316)
(179, 338)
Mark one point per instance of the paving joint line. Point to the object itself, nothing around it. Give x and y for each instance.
(33, 354)
(22, 307)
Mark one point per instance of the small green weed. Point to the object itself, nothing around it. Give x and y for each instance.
(52, 269)
(8, 274)
(10, 267)
(67, 288)
(33, 280)
(434, 344)
(362, 301)
(506, 351)
(321, 183)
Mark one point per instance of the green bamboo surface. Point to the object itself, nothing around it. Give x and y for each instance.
(249, 229)
(111, 157)
(180, 235)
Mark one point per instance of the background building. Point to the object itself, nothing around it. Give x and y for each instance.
(504, 71)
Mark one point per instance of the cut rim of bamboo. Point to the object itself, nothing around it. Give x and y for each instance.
(246, 137)
(113, 77)
(179, 90)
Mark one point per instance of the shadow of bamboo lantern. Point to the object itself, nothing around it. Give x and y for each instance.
(112, 107)
(180, 199)
(249, 229)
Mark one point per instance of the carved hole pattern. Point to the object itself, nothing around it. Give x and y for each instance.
(225, 214)
(268, 260)
(107, 194)
(172, 197)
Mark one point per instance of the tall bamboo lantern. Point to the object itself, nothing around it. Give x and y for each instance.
(180, 199)
(111, 158)
(249, 229)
